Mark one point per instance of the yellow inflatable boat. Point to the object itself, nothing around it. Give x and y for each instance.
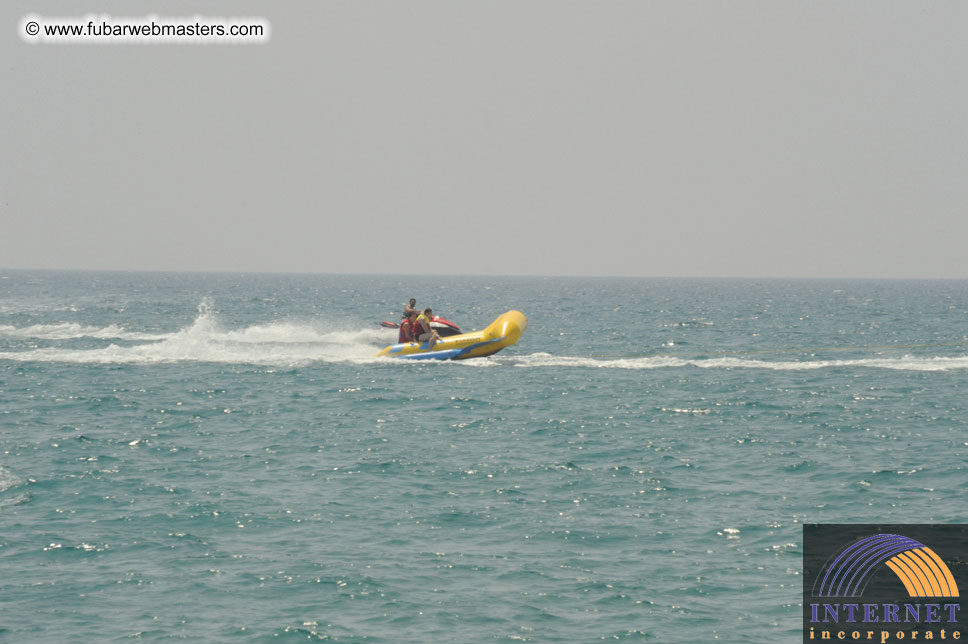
(502, 332)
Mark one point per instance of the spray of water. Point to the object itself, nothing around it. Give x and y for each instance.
(207, 340)
(294, 342)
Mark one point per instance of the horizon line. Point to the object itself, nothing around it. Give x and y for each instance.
(509, 275)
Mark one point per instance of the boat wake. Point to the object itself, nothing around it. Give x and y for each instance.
(73, 331)
(298, 343)
(901, 363)
(280, 343)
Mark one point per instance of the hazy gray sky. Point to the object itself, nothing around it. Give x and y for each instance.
(654, 138)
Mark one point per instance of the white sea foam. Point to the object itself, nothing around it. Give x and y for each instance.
(902, 363)
(10, 480)
(289, 342)
(206, 340)
(72, 330)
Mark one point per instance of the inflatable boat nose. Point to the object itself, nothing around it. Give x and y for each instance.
(509, 326)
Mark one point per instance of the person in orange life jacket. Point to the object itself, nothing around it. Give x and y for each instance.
(422, 331)
(406, 328)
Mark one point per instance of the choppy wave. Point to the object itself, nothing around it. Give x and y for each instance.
(902, 363)
(206, 340)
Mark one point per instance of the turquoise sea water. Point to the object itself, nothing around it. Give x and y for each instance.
(220, 458)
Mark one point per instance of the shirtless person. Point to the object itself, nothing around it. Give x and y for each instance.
(410, 308)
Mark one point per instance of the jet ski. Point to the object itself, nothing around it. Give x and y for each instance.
(502, 332)
(444, 328)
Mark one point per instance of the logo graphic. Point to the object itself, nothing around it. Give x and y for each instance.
(919, 568)
(884, 583)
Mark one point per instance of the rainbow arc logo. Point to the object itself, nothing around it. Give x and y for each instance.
(922, 572)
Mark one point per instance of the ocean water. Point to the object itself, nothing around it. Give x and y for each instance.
(219, 457)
